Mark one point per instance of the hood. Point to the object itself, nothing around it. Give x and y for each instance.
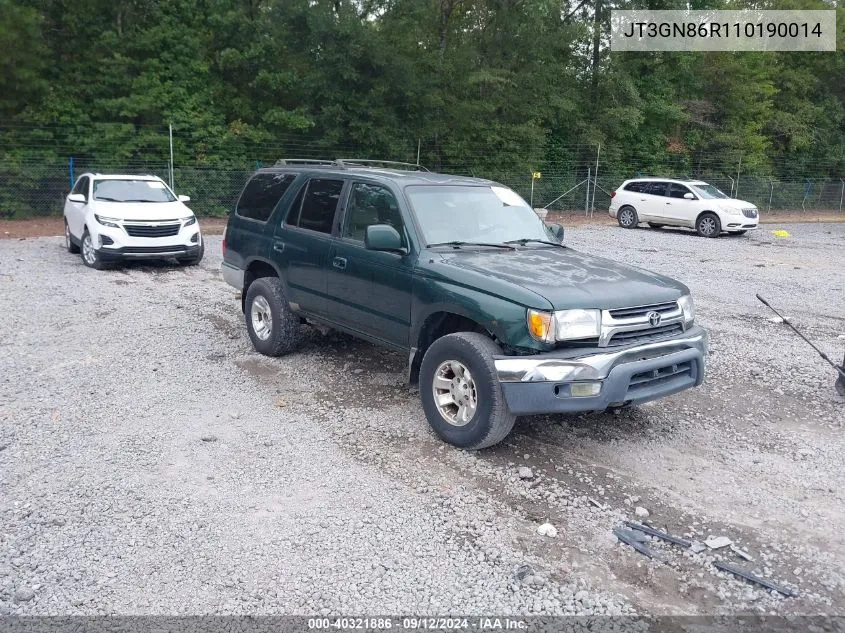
(142, 210)
(566, 278)
(735, 204)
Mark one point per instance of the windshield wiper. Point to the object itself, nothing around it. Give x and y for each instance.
(107, 199)
(458, 244)
(141, 200)
(525, 240)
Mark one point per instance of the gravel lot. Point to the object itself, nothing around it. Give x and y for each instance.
(152, 463)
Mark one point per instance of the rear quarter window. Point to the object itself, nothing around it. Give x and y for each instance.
(636, 187)
(262, 194)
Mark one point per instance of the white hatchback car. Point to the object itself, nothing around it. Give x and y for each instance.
(115, 217)
(690, 203)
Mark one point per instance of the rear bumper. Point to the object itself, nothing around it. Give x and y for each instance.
(232, 275)
(543, 383)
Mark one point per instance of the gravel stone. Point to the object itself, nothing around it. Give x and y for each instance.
(641, 512)
(525, 473)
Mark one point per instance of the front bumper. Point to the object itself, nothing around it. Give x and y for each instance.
(542, 383)
(114, 243)
(148, 252)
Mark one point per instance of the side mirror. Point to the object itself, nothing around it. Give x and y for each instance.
(556, 231)
(382, 237)
(76, 197)
(183, 198)
(689, 196)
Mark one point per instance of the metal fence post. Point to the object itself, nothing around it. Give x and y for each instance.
(70, 171)
(587, 199)
(841, 193)
(771, 193)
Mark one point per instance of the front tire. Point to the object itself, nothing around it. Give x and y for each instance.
(708, 225)
(72, 248)
(460, 391)
(272, 325)
(628, 218)
(196, 259)
(90, 256)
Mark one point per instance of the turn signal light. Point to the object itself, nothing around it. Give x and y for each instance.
(541, 325)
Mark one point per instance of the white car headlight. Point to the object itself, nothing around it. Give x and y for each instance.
(688, 308)
(575, 324)
(112, 222)
(191, 219)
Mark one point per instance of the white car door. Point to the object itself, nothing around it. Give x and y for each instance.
(653, 200)
(680, 209)
(75, 211)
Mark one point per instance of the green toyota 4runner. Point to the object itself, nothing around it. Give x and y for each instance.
(496, 316)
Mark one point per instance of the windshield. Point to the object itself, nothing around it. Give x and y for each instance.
(709, 191)
(466, 213)
(132, 191)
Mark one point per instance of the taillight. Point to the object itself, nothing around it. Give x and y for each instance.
(223, 244)
(612, 194)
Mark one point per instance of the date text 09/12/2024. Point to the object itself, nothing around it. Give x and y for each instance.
(413, 623)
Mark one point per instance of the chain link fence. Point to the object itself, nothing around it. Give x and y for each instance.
(37, 188)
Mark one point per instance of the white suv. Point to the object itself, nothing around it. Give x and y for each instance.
(114, 217)
(691, 203)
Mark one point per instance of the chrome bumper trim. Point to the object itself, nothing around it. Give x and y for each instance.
(594, 364)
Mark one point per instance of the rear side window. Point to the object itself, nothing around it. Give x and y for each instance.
(319, 200)
(636, 187)
(262, 194)
(655, 188)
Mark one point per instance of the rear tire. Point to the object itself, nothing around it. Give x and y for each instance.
(628, 218)
(272, 325)
(654, 225)
(708, 225)
(193, 261)
(72, 248)
(460, 391)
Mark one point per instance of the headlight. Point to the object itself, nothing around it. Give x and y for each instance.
(688, 308)
(575, 324)
(564, 325)
(112, 222)
(190, 220)
(541, 325)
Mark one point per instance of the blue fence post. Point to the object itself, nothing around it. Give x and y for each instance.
(70, 171)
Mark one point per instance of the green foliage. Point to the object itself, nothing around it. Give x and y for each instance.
(498, 88)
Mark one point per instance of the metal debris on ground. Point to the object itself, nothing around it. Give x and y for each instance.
(677, 540)
(595, 503)
(637, 536)
(624, 536)
(747, 575)
(741, 553)
(718, 542)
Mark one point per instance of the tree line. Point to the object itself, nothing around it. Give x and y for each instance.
(480, 86)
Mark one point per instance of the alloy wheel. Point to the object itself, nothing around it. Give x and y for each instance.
(262, 318)
(455, 393)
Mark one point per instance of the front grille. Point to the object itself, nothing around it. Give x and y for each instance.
(642, 311)
(750, 213)
(645, 336)
(147, 230)
(656, 377)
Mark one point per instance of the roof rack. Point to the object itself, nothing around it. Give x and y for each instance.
(305, 161)
(364, 162)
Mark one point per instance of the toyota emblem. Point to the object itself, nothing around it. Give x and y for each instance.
(654, 318)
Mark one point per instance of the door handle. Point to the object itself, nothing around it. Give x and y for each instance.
(339, 263)
(278, 246)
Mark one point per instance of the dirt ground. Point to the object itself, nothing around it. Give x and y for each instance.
(254, 484)
(49, 226)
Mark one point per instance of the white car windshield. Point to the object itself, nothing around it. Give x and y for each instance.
(480, 214)
(114, 190)
(709, 191)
